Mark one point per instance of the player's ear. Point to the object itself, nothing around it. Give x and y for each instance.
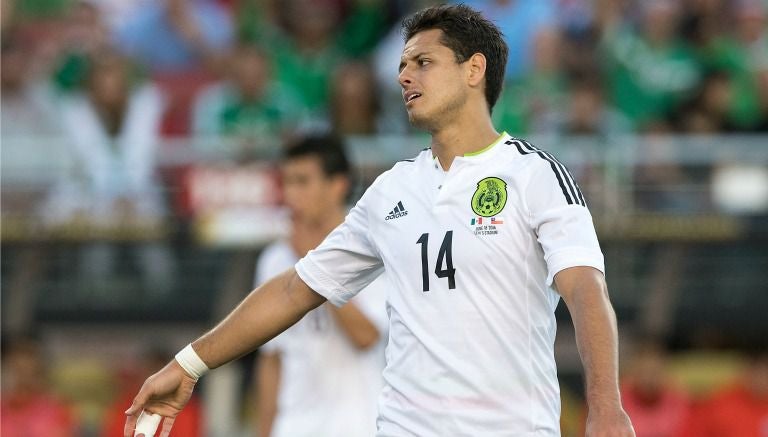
(341, 186)
(476, 69)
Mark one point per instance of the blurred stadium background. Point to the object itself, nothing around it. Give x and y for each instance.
(138, 179)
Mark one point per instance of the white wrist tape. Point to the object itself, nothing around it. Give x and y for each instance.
(147, 424)
(191, 362)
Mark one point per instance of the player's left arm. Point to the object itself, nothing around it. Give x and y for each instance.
(355, 325)
(586, 294)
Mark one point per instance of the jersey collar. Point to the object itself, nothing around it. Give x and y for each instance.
(486, 152)
(479, 155)
(488, 147)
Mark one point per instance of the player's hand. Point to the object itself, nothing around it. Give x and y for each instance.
(164, 393)
(614, 423)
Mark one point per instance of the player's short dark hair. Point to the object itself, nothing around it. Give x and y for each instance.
(328, 148)
(466, 32)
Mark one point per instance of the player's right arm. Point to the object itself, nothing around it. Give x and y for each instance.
(264, 313)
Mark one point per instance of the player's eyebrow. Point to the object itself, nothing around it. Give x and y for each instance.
(403, 59)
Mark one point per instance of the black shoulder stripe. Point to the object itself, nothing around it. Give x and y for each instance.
(524, 151)
(571, 190)
(569, 180)
(572, 187)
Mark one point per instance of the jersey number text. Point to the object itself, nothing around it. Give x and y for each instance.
(444, 256)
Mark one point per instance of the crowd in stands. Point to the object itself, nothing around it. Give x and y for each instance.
(115, 76)
(251, 67)
(659, 405)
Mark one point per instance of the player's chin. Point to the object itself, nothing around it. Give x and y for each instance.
(418, 120)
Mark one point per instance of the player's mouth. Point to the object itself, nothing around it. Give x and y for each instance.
(410, 96)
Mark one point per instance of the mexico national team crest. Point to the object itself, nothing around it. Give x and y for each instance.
(490, 197)
(487, 202)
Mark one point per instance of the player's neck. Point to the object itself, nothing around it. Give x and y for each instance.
(334, 218)
(306, 234)
(467, 135)
(321, 224)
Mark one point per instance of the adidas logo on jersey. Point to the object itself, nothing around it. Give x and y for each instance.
(397, 212)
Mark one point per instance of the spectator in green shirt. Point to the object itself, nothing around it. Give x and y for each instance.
(248, 105)
(743, 55)
(526, 100)
(651, 71)
(314, 37)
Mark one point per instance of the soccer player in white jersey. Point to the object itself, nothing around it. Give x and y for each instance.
(480, 236)
(322, 376)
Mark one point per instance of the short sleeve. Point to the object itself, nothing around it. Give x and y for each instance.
(560, 218)
(346, 261)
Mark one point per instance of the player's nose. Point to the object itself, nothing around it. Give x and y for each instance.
(404, 78)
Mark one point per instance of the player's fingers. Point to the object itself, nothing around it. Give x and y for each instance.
(130, 425)
(134, 411)
(167, 425)
(138, 403)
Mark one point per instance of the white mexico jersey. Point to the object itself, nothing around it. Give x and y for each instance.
(471, 254)
(328, 388)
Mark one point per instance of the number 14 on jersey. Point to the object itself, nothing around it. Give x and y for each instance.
(444, 256)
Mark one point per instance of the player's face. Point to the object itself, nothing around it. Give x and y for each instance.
(433, 82)
(309, 193)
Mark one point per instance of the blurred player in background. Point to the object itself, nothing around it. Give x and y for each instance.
(322, 376)
(480, 236)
